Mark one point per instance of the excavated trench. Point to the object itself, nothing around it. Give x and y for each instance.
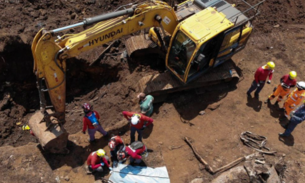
(19, 95)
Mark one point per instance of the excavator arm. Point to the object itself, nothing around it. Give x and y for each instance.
(50, 53)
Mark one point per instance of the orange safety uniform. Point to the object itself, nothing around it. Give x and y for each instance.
(293, 100)
(283, 88)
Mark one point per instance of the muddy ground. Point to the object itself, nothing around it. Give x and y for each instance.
(110, 86)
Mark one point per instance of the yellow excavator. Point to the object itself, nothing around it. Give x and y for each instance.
(195, 37)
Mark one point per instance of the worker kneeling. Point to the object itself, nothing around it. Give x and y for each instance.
(115, 144)
(97, 160)
(135, 151)
(295, 98)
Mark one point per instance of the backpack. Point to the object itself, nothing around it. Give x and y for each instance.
(93, 119)
(136, 145)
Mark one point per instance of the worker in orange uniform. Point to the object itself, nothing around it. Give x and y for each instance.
(283, 89)
(295, 98)
(260, 77)
(138, 122)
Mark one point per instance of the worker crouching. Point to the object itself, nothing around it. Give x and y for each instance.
(134, 151)
(146, 104)
(115, 144)
(283, 89)
(97, 161)
(295, 98)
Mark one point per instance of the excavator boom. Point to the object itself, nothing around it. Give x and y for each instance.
(50, 54)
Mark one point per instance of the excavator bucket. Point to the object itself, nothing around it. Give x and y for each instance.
(52, 137)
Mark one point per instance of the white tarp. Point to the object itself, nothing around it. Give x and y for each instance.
(137, 174)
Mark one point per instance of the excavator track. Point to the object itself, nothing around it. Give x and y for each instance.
(160, 85)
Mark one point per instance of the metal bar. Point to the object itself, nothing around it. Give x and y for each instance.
(89, 21)
(107, 16)
(67, 27)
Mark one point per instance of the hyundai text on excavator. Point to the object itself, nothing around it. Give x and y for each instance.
(195, 37)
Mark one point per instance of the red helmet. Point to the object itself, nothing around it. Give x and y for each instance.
(111, 145)
(122, 155)
(87, 107)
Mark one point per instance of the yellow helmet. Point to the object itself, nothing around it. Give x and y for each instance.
(100, 153)
(271, 65)
(26, 127)
(292, 74)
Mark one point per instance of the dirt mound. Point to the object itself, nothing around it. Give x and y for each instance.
(110, 86)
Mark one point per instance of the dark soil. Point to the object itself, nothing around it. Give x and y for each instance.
(110, 86)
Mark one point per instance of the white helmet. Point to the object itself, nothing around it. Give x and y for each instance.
(301, 85)
(135, 119)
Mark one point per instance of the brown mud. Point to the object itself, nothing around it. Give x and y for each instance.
(110, 86)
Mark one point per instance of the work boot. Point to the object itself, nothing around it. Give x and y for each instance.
(267, 101)
(91, 141)
(283, 135)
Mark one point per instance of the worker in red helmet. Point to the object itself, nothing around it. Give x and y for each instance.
(97, 160)
(135, 151)
(91, 121)
(138, 122)
(115, 144)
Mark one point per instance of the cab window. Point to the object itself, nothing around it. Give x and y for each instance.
(180, 53)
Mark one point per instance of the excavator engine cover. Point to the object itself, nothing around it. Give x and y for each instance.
(52, 138)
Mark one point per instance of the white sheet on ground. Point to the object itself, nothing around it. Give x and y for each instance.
(131, 174)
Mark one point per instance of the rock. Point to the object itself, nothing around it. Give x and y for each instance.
(73, 15)
(57, 179)
(35, 14)
(197, 180)
(212, 107)
(160, 143)
(201, 112)
(5, 163)
(87, 2)
(43, 12)
(67, 178)
(201, 167)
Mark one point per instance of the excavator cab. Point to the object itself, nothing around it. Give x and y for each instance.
(194, 51)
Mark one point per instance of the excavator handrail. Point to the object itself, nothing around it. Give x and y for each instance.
(252, 7)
